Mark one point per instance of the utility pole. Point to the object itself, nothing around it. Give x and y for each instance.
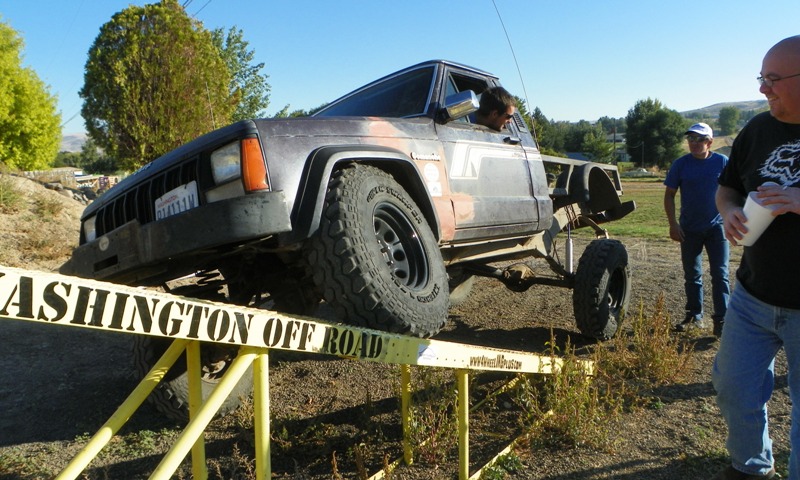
(642, 153)
(641, 145)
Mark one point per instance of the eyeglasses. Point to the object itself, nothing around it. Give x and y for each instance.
(696, 138)
(768, 82)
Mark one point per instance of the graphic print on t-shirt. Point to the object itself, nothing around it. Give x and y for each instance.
(783, 164)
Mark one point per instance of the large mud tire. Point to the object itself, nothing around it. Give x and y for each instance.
(171, 396)
(602, 289)
(376, 259)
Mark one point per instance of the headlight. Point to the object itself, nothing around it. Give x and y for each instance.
(225, 163)
(89, 231)
(238, 160)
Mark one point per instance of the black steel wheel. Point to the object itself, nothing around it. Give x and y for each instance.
(602, 289)
(376, 259)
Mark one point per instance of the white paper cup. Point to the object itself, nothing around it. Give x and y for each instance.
(758, 219)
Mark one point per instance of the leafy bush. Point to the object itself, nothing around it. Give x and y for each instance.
(570, 408)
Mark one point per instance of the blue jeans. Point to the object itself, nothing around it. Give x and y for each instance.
(718, 251)
(744, 376)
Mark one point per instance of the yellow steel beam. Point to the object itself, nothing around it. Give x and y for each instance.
(124, 412)
(405, 411)
(193, 367)
(261, 412)
(462, 380)
(172, 460)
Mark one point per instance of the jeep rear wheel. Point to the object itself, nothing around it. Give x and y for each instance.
(602, 289)
(376, 259)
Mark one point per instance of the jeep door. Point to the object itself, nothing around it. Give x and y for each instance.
(489, 174)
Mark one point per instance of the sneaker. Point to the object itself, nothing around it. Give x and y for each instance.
(691, 321)
(731, 473)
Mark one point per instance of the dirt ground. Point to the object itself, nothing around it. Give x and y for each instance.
(58, 384)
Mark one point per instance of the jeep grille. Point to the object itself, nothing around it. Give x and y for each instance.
(138, 202)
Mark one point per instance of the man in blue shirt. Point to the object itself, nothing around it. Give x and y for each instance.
(700, 225)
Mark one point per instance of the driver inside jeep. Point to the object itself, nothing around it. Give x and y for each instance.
(496, 108)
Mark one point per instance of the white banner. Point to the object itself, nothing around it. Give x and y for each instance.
(58, 299)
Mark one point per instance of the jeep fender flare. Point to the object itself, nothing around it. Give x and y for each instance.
(590, 186)
(321, 163)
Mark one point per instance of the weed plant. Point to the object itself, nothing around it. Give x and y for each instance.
(38, 243)
(566, 408)
(46, 206)
(433, 427)
(11, 198)
(646, 356)
(505, 465)
(570, 408)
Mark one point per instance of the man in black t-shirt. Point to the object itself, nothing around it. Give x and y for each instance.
(764, 311)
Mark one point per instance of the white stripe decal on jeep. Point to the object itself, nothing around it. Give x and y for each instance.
(468, 156)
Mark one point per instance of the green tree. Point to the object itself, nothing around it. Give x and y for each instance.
(699, 116)
(728, 120)
(749, 114)
(611, 125)
(540, 127)
(30, 130)
(90, 159)
(549, 135)
(654, 133)
(154, 80)
(94, 159)
(248, 87)
(596, 146)
(576, 133)
(68, 159)
(285, 113)
(522, 108)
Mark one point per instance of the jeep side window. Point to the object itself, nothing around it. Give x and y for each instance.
(405, 95)
(451, 89)
(463, 82)
(460, 83)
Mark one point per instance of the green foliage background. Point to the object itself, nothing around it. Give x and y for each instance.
(154, 80)
(30, 130)
(248, 88)
(656, 131)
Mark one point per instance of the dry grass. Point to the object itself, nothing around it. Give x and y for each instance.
(569, 408)
(40, 226)
(11, 198)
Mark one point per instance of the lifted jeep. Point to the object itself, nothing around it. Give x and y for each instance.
(385, 205)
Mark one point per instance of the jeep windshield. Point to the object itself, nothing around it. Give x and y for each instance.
(406, 94)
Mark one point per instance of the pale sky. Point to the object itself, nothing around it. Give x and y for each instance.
(577, 60)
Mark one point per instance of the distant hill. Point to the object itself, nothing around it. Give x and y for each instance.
(72, 142)
(713, 110)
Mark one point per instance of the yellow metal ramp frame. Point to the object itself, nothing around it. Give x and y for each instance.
(57, 299)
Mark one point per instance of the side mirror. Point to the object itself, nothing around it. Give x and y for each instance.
(459, 105)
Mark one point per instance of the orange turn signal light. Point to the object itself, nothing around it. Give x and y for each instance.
(254, 168)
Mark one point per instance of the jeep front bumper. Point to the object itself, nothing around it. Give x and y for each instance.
(134, 252)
